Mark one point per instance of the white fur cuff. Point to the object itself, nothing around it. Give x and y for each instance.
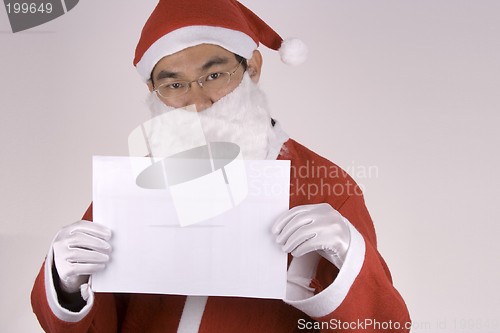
(328, 300)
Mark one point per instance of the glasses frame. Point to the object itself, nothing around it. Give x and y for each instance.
(199, 80)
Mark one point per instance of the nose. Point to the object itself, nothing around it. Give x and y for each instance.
(198, 97)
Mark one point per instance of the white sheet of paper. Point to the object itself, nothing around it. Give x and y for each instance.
(233, 254)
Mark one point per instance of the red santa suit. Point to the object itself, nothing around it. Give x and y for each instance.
(360, 297)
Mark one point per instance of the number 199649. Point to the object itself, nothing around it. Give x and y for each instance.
(28, 8)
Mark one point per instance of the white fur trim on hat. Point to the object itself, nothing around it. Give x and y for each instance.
(293, 51)
(180, 39)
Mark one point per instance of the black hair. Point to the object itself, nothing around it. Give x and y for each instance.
(243, 61)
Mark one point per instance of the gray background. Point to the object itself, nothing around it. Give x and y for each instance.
(404, 90)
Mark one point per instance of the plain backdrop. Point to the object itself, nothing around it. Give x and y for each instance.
(403, 94)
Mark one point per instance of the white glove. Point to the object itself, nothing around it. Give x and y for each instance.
(317, 227)
(80, 249)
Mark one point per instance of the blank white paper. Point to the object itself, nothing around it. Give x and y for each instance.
(232, 254)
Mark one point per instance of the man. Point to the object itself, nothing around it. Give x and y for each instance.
(204, 53)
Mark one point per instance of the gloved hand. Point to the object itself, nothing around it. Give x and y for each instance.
(317, 227)
(80, 249)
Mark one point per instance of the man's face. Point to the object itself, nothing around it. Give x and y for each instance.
(192, 63)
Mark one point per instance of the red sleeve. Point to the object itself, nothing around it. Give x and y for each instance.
(360, 297)
(372, 304)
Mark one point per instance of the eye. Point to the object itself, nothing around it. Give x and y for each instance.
(175, 85)
(213, 76)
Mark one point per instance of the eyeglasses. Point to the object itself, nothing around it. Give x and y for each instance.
(211, 83)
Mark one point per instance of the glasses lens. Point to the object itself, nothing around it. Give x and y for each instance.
(169, 90)
(214, 82)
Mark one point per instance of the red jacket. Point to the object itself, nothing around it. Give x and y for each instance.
(358, 298)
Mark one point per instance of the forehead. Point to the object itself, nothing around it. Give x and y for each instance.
(192, 58)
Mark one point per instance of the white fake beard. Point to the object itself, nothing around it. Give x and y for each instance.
(240, 117)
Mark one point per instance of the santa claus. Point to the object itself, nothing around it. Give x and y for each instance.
(204, 53)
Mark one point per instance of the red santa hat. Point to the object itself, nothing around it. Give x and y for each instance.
(176, 25)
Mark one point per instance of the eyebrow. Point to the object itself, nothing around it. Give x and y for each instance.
(215, 61)
(165, 74)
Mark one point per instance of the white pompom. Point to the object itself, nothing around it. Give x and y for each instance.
(293, 51)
